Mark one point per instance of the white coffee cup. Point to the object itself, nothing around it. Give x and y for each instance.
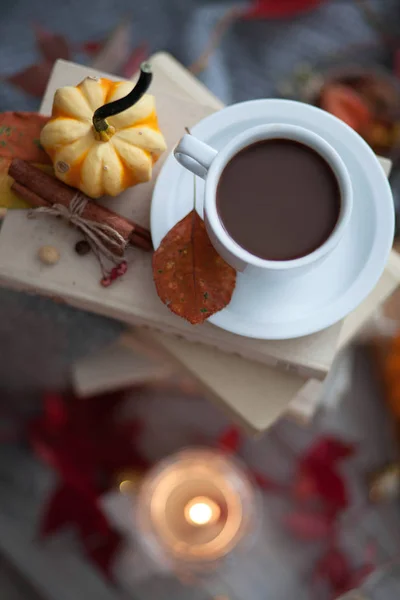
(208, 163)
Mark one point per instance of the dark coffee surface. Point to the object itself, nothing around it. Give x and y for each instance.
(278, 199)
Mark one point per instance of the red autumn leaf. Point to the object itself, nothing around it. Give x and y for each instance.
(93, 47)
(190, 276)
(20, 136)
(346, 104)
(327, 450)
(88, 447)
(55, 410)
(57, 513)
(51, 45)
(115, 49)
(309, 525)
(330, 487)
(230, 440)
(358, 576)
(33, 80)
(264, 9)
(304, 489)
(67, 506)
(334, 568)
(266, 483)
(103, 552)
(317, 476)
(135, 59)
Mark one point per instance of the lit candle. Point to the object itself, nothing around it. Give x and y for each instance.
(194, 508)
(202, 511)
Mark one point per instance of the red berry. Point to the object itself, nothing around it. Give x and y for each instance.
(114, 274)
(122, 268)
(106, 281)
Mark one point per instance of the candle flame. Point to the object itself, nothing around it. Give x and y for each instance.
(202, 511)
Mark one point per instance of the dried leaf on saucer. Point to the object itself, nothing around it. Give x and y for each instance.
(19, 138)
(190, 276)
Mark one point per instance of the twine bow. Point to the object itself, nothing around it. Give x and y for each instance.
(103, 239)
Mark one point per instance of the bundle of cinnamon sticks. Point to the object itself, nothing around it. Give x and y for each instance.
(39, 189)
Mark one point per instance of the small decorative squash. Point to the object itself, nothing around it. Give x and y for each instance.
(104, 148)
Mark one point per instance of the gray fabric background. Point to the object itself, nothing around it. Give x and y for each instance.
(39, 339)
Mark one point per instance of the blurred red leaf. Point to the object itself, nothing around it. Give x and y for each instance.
(327, 450)
(358, 576)
(135, 59)
(264, 9)
(304, 488)
(317, 476)
(67, 506)
(92, 47)
(266, 483)
(114, 51)
(334, 568)
(51, 45)
(33, 80)
(57, 513)
(104, 551)
(55, 409)
(230, 440)
(330, 487)
(346, 104)
(309, 525)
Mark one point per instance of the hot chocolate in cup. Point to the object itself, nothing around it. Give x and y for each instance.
(277, 197)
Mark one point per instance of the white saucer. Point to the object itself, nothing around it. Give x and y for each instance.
(334, 288)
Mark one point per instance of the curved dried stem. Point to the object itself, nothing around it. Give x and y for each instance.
(214, 40)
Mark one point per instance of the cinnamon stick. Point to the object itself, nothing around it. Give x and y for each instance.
(36, 201)
(141, 242)
(30, 197)
(35, 186)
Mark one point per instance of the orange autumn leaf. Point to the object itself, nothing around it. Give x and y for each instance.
(19, 138)
(346, 104)
(190, 276)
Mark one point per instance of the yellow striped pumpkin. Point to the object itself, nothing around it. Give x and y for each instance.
(108, 162)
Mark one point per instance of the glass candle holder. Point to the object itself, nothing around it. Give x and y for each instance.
(194, 509)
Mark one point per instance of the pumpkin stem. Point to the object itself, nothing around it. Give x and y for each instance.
(114, 108)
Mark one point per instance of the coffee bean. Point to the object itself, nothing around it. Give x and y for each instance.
(82, 248)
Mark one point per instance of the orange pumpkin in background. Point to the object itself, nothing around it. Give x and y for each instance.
(103, 136)
(391, 375)
(384, 484)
